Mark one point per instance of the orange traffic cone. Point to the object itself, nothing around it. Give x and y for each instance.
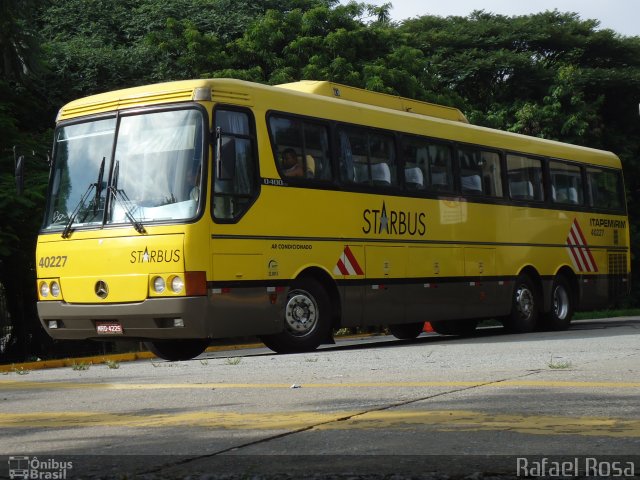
(427, 327)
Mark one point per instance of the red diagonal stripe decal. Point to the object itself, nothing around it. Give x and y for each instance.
(342, 268)
(352, 260)
(579, 249)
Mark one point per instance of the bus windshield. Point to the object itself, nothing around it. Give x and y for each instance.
(152, 173)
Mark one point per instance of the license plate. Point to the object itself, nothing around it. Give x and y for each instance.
(109, 328)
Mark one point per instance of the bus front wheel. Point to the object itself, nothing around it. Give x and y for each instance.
(306, 320)
(174, 350)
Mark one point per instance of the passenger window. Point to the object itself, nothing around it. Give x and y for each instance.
(367, 157)
(566, 183)
(480, 172)
(235, 170)
(605, 189)
(525, 178)
(427, 166)
(301, 148)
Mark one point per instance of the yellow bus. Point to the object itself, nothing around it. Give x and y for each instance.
(188, 211)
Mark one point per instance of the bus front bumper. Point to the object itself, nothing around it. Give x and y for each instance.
(157, 318)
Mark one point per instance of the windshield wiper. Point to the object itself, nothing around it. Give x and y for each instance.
(66, 233)
(125, 202)
(96, 202)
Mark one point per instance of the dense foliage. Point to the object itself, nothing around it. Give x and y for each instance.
(552, 75)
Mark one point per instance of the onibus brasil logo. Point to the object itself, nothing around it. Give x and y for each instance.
(37, 469)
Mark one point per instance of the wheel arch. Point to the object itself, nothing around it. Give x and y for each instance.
(326, 280)
(570, 276)
(543, 290)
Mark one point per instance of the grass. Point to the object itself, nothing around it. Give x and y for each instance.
(233, 361)
(81, 366)
(558, 364)
(620, 312)
(112, 364)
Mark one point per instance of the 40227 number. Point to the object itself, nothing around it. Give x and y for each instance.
(54, 261)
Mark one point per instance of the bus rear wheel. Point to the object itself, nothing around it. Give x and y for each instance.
(174, 350)
(524, 306)
(406, 331)
(307, 319)
(562, 306)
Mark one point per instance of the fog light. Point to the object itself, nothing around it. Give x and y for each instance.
(178, 322)
(44, 289)
(55, 288)
(177, 284)
(53, 324)
(159, 285)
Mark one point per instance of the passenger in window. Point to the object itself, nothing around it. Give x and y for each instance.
(310, 166)
(290, 164)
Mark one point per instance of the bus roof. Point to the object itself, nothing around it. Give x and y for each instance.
(393, 102)
(331, 100)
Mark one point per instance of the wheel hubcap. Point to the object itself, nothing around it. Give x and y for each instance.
(524, 302)
(560, 303)
(301, 313)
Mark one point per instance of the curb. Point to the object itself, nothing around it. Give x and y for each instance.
(100, 359)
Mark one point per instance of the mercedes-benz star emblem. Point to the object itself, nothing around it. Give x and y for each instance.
(102, 290)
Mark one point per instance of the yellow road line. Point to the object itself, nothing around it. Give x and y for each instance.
(408, 420)
(31, 385)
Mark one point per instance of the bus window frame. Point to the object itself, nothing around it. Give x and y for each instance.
(546, 187)
(303, 181)
(336, 182)
(117, 115)
(481, 195)
(393, 189)
(428, 191)
(589, 200)
(568, 206)
(253, 137)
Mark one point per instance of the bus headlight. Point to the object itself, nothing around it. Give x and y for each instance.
(159, 285)
(44, 289)
(177, 284)
(54, 288)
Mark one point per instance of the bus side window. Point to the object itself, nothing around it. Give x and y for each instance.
(316, 151)
(367, 157)
(566, 183)
(301, 148)
(354, 165)
(427, 166)
(440, 167)
(525, 178)
(235, 170)
(605, 189)
(480, 172)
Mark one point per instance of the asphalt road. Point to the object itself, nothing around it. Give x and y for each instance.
(495, 405)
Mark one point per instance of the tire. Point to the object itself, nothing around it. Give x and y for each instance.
(174, 350)
(307, 319)
(562, 306)
(525, 306)
(406, 331)
(462, 328)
